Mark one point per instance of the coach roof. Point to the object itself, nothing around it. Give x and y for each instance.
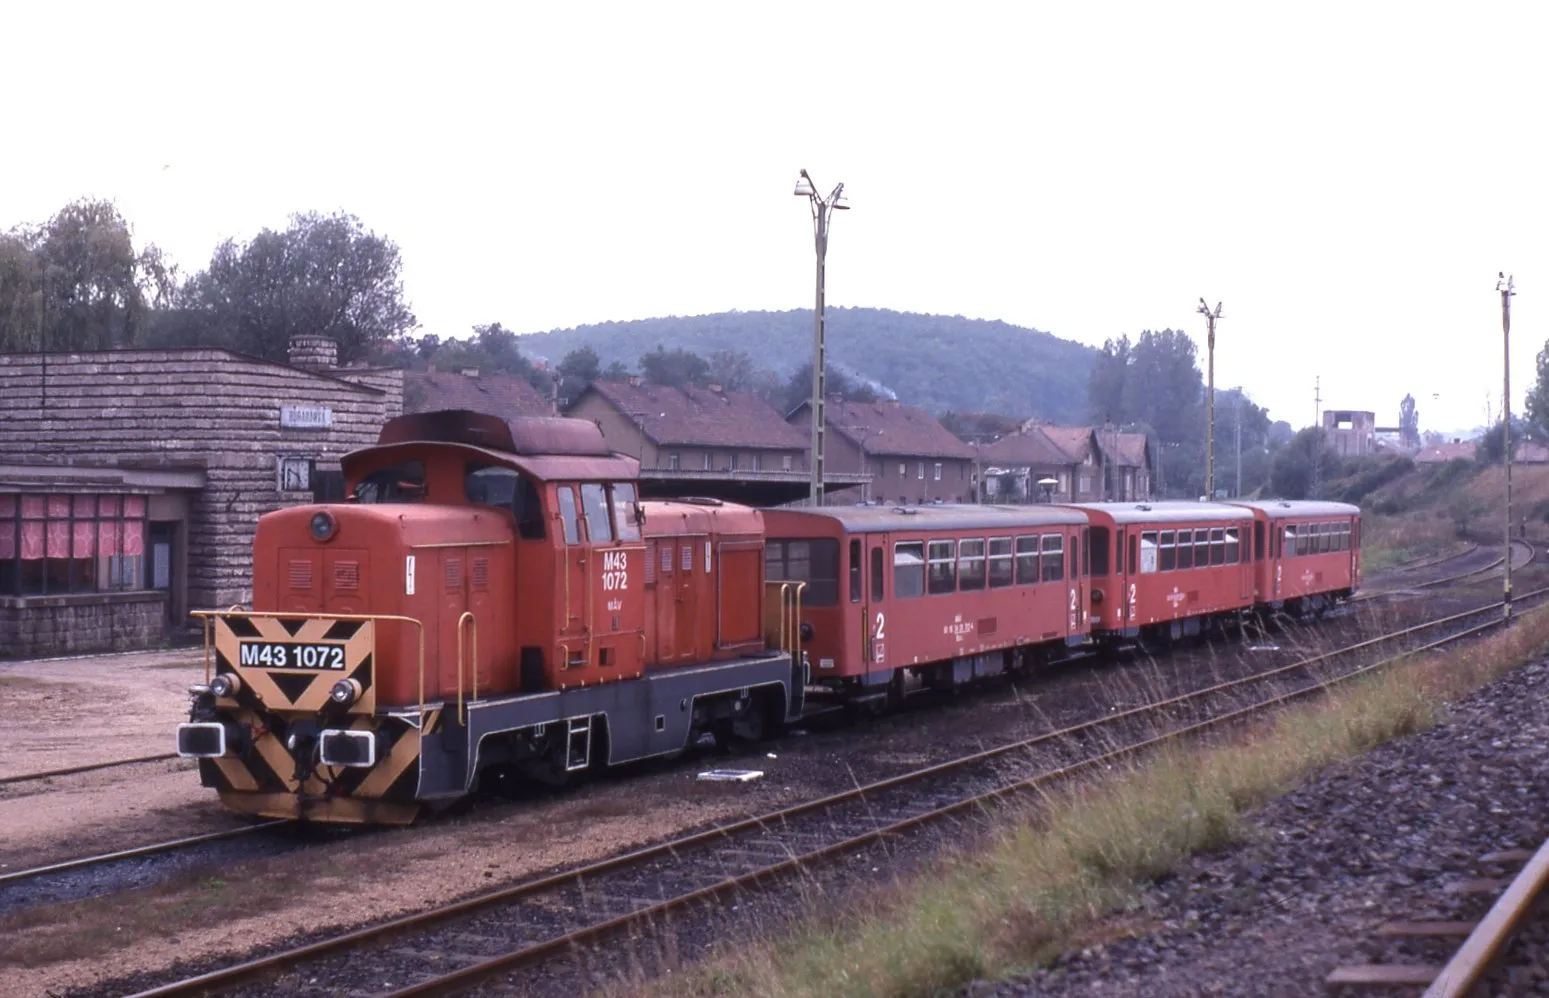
(905, 519)
(1285, 509)
(1166, 512)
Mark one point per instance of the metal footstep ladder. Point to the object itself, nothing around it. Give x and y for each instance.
(578, 747)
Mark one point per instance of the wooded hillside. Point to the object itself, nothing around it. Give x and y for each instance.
(940, 362)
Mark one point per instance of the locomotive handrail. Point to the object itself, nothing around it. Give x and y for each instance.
(788, 597)
(469, 619)
(208, 615)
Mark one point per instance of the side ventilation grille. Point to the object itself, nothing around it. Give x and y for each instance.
(300, 575)
(346, 576)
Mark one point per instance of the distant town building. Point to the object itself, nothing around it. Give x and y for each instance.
(1457, 450)
(1350, 433)
(903, 452)
(495, 394)
(1041, 463)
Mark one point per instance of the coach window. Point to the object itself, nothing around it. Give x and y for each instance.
(1325, 538)
(1075, 557)
(1148, 552)
(1258, 542)
(815, 562)
(908, 570)
(594, 501)
(1202, 542)
(1185, 556)
(1053, 557)
(876, 575)
(1134, 544)
(970, 564)
(1027, 560)
(1000, 562)
(567, 514)
(943, 567)
(1167, 558)
(1231, 547)
(855, 569)
(1097, 550)
(1288, 546)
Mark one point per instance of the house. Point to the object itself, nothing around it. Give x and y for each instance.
(131, 481)
(496, 394)
(1457, 450)
(699, 441)
(1350, 433)
(1068, 464)
(903, 454)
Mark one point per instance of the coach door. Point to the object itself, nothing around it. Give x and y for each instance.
(866, 635)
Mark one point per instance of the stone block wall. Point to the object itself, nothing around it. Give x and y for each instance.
(81, 622)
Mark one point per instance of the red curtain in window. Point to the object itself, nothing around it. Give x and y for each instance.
(59, 538)
(7, 526)
(32, 539)
(134, 536)
(134, 506)
(109, 538)
(85, 541)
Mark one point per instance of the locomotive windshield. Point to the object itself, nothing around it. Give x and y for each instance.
(400, 483)
(506, 488)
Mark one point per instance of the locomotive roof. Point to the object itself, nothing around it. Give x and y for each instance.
(1285, 509)
(1176, 511)
(882, 519)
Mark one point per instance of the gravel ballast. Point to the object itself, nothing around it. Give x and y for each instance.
(1386, 837)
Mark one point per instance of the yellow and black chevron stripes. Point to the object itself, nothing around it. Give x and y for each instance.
(291, 689)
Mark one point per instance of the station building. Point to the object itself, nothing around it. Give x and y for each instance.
(131, 481)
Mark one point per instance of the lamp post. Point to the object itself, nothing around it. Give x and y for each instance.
(1210, 397)
(1507, 287)
(822, 208)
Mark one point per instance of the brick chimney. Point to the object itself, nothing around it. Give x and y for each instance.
(313, 353)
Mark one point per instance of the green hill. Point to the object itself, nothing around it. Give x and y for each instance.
(938, 362)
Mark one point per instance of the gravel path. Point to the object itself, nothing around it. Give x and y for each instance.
(1373, 840)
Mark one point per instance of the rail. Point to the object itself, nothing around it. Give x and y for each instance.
(208, 617)
(782, 604)
(1488, 940)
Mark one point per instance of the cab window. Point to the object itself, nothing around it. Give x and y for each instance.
(403, 482)
(506, 488)
(594, 500)
(568, 516)
(626, 511)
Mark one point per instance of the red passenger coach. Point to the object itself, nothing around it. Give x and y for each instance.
(1167, 568)
(1312, 553)
(952, 593)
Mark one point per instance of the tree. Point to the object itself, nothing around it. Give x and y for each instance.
(1105, 387)
(675, 368)
(77, 281)
(1538, 399)
(798, 388)
(732, 370)
(579, 368)
(325, 275)
(1409, 420)
(1290, 475)
(615, 371)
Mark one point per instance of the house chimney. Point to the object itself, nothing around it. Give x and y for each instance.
(634, 381)
(313, 353)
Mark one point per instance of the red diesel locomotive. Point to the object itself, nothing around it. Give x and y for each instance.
(495, 596)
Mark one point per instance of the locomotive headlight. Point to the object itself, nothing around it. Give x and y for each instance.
(323, 526)
(345, 692)
(225, 685)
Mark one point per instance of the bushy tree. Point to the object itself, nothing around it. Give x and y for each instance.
(1409, 422)
(579, 368)
(1291, 472)
(1537, 409)
(675, 368)
(798, 388)
(77, 282)
(324, 274)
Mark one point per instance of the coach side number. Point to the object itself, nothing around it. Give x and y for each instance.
(881, 632)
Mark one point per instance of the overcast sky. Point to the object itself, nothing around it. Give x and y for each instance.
(1346, 178)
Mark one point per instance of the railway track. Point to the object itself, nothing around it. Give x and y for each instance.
(1531, 553)
(450, 948)
(135, 852)
(1484, 942)
(85, 768)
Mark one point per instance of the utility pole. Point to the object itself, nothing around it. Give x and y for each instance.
(1507, 287)
(1317, 439)
(822, 209)
(1210, 397)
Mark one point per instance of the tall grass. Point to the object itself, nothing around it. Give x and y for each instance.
(1036, 881)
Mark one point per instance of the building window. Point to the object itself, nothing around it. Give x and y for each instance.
(731, 461)
(709, 461)
(938, 471)
(62, 543)
(758, 461)
(785, 462)
(672, 462)
(922, 471)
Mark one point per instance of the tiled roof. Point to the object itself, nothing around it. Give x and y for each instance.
(1528, 452)
(698, 417)
(496, 394)
(1029, 446)
(1074, 441)
(889, 428)
(1124, 449)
